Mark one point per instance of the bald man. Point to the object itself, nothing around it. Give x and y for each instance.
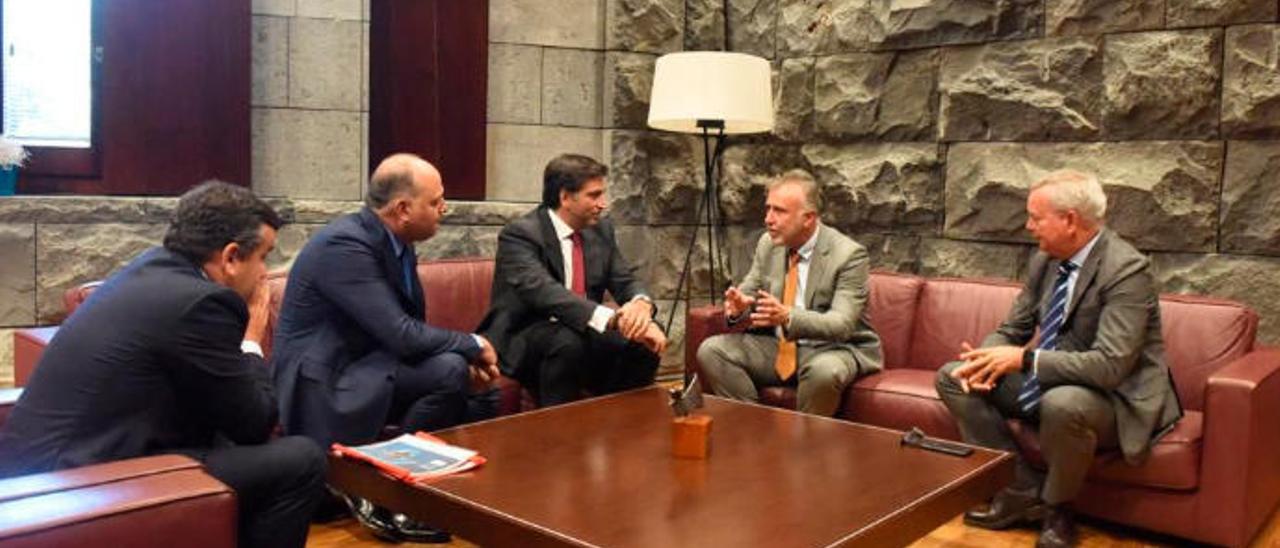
(352, 349)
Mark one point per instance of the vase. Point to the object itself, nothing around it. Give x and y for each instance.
(8, 181)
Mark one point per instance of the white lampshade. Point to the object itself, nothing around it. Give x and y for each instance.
(711, 85)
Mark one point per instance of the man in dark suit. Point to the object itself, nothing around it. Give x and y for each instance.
(352, 349)
(554, 266)
(164, 357)
(807, 291)
(1094, 379)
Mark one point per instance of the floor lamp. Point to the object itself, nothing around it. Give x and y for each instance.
(712, 94)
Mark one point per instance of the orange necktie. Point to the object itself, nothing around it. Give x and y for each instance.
(785, 364)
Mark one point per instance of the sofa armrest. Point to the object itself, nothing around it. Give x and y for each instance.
(700, 324)
(8, 399)
(149, 501)
(1242, 443)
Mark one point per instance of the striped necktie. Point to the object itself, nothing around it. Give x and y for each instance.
(1029, 396)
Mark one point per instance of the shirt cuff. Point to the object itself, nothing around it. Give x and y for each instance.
(600, 318)
(251, 347)
(479, 341)
(1035, 363)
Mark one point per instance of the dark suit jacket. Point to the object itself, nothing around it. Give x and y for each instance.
(346, 323)
(150, 363)
(528, 282)
(1110, 339)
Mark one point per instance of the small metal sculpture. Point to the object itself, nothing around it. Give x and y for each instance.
(685, 401)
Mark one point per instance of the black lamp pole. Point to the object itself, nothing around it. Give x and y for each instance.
(708, 211)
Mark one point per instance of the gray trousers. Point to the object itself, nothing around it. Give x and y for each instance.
(735, 364)
(1074, 422)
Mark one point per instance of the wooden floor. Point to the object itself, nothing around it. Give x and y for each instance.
(953, 534)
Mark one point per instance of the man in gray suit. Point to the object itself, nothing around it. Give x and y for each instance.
(806, 293)
(1094, 379)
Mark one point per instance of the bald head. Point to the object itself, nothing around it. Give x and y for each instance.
(400, 176)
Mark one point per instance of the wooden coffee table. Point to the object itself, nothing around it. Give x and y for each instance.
(599, 472)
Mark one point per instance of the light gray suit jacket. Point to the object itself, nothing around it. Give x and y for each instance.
(835, 294)
(1110, 339)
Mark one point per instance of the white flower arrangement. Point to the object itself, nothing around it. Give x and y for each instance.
(12, 155)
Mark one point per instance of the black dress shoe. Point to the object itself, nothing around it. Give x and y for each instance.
(377, 520)
(415, 531)
(1059, 529)
(1007, 509)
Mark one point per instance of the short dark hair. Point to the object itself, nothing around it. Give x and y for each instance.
(389, 181)
(568, 172)
(214, 214)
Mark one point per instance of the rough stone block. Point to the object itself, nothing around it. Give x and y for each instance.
(885, 96)
(289, 242)
(891, 252)
(1250, 280)
(1251, 84)
(515, 82)
(793, 99)
(704, 25)
(628, 81)
(1017, 19)
(1251, 198)
(306, 153)
(517, 155)
(560, 23)
(939, 22)
(17, 274)
(323, 57)
(484, 213)
(672, 361)
(880, 185)
(655, 178)
(68, 255)
(746, 170)
(457, 241)
(943, 257)
(1162, 85)
(85, 210)
(1070, 17)
(364, 66)
(274, 7)
(1035, 90)
(1203, 13)
(571, 87)
(270, 54)
(1150, 186)
(752, 25)
(653, 26)
(815, 28)
(666, 248)
(350, 10)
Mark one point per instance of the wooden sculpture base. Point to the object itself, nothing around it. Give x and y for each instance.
(690, 436)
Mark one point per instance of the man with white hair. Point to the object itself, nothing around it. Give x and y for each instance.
(1094, 379)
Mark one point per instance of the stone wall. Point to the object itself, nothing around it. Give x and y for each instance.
(926, 121)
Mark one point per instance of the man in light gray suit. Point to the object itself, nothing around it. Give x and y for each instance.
(1095, 378)
(806, 294)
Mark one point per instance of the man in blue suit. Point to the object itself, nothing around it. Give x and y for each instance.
(352, 348)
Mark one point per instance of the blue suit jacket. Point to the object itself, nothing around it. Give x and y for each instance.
(346, 323)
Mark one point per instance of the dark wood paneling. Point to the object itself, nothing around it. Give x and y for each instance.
(174, 96)
(428, 71)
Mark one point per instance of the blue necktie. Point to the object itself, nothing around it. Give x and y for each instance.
(1029, 396)
(407, 261)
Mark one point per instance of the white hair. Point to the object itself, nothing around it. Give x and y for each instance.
(1069, 189)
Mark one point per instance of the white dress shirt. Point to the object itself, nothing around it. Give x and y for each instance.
(602, 314)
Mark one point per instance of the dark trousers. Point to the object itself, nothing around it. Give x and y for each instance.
(277, 486)
(1074, 422)
(432, 394)
(559, 363)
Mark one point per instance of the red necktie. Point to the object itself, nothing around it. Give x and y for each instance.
(579, 266)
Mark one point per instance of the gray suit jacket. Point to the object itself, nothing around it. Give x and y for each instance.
(835, 294)
(1110, 339)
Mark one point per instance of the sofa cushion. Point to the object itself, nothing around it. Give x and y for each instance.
(899, 399)
(779, 396)
(1202, 334)
(1174, 462)
(953, 311)
(457, 292)
(891, 311)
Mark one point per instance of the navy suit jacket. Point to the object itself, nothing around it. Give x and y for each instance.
(346, 323)
(528, 282)
(150, 363)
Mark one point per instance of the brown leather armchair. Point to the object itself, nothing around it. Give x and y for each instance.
(1212, 479)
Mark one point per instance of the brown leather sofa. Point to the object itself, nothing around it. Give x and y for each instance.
(1213, 479)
